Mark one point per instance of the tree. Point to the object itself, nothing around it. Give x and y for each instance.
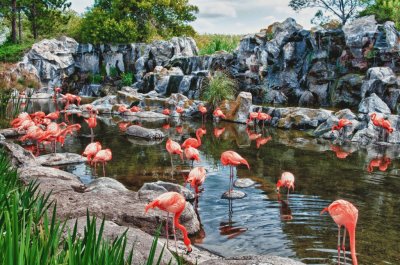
(44, 14)
(343, 9)
(383, 10)
(8, 9)
(118, 21)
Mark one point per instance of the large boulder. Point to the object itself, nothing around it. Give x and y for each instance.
(300, 118)
(373, 104)
(59, 159)
(238, 110)
(53, 59)
(152, 189)
(347, 92)
(105, 104)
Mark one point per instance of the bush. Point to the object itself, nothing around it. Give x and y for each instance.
(95, 79)
(219, 87)
(10, 52)
(127, 79)
(211, 43)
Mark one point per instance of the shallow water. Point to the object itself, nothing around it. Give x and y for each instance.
(260, 223)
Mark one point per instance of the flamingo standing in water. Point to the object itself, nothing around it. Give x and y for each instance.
(252, 116)
(179, 110)
(194, 142)
(166, 112)
(92, 122)
(261, 116)
(287, 180)
(172, 203)
(344, 214)
(203, 112)
(232, 159)
(135, 109)
(192, 154)
(218, 114)
(102, 156)
(91, 150)
(196, 178)
(173, 148)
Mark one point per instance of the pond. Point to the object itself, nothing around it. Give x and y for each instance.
(263, 223)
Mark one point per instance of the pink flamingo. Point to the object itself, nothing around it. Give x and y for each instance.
(172, 203)
(218, 132)
(341, 124)
(135, 109)
(252, 116)
(122, 109)
(53, 115)
(196, 178)
(91, 150)
(340, 153)
(92, 122)
(261, 116)
(179, 129)
(15, 123)
(123, 126)
(219, 114)
(192, 154)
(194, 142)
(173, 148)
(57, 91)
(179, 110)
(262, 141)
(232, 159)
(166, 112)
(203, 111)
(102, 156)
(344, 214)
(287, 180)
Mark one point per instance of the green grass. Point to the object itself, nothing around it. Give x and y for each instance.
(127, 79)
(29, 236)
(211, 43)
(219, 87)
(11, 53)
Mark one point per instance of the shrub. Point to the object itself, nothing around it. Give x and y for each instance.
(211, 43)
(127, 79)
(10, 52)
(113, 71)
(219, 87)
(95, 79)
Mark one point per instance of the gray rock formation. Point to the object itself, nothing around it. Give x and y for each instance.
(59, 159)
(145, 133)
(238, 110)
(373, 104)
(152, 189)
(254, 260)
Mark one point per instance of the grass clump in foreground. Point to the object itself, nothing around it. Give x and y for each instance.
(219, 87)
(211, 43)
(13, 52)
(29, 236)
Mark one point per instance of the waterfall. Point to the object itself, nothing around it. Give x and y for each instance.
(91, 90)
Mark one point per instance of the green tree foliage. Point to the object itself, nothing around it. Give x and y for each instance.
(122, 21)
(342, 9)
(383, 10)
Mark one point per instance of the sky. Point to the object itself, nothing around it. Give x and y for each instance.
(235, 16)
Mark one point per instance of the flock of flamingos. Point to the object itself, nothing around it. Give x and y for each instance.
(43, 129)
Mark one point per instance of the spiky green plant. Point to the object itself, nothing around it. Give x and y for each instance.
(219, 87)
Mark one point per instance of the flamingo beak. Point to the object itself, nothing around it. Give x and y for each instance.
(189, 251)
(323, 211)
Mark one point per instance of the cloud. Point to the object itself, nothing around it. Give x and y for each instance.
(215, 9)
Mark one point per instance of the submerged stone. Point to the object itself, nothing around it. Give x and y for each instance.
(60, 159)
(244, 183)
(233, 195)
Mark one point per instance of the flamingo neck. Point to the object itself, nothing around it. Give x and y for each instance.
(186, 239)
(198, 137)
(352, 234)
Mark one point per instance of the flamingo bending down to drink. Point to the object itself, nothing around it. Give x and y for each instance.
(219, 114)
(232, 159)
(172, 203)
(344, 214)
(91, 150)
(196, 178)
(287, 180)
(192, 154)
(102, 156)
(194, 142)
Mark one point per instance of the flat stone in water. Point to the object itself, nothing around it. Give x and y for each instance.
(60, 159)
(233, 195)
(244, 183)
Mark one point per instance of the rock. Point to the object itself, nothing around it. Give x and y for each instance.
(149, 134)
(358, 32)
(19, 156)
(129, 98)
(307, 99)
(392, 36)
(105, 104)
(149, 116)
(46, 96)
(59, 159)
(238, 110)
(345, 114)
(53, 59)
(4, 32)
(301, 118)
(233, 195)
(275, 97)
(140, 241)
(10, 132)
(383, 74)
(253, 260)
(365, 136)
(347, 92)
(244, 183)
(151, 190)
(104, 183)
(373, 104)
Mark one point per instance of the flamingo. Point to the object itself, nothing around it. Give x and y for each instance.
(261, 116)
(194, 142)
(166, 112)
(122, 109)
(381, 122)
(196, 178)
(91, 150)
(68, 130)
(252, 135)
(262, 141)
(252, 116)
(135, 109)
(179, 129)
(287, 180)
(344, 214)
(102, 156)
(92, 122)
(123, 126)
(57, 91)
(381, 163)
(173, 148)
(218, 132)
(203, 111)
(21, 118)
(53, 115)
(166, 126)
(232, 159)
(192, 153)
(179, 110)
(339, 152)
(172, 203)
(219, 114)
(341, 124)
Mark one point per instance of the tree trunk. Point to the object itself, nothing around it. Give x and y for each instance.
(14, 21)
(34, 25)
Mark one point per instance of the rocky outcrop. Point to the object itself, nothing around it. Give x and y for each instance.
(152, 189)
(145, 133)
(238, 110)
(254, 260)
(373, 104)
(59, 159)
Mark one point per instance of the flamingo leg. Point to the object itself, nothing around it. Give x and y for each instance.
(173, 226)
(104, 171)
(166, 228)
(172, 168)
(338, 245)
(344, 245)
(91, 132)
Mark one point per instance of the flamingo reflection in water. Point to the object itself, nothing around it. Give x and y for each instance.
(284, 209)
(340, 153)
(229, 228)
(382, 163)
